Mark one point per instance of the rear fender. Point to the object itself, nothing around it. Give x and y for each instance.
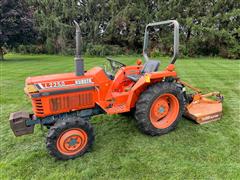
(145, 81)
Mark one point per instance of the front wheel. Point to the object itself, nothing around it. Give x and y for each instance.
(70, 138)
(159, 108)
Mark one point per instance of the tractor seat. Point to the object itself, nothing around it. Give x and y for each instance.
(149, 66)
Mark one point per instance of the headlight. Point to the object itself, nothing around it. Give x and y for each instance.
(30, 89)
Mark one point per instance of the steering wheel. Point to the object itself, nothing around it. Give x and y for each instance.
(115, 65)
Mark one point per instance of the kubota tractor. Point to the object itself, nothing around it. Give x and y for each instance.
(65, 102)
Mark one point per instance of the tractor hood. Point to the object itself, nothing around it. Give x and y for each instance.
(55, 81)
(92, 73)
(50, 78)
(65, 80)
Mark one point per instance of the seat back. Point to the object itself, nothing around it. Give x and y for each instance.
(150, 66)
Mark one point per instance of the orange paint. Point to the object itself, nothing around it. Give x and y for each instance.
(61, 93)
(203, 110)
(164, 111)
(170, 67)
(72, 141)
(139, 62)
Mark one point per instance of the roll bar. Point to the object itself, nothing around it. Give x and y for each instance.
(176, 38)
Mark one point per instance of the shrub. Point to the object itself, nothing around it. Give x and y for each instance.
(103, 50)
(30, 49)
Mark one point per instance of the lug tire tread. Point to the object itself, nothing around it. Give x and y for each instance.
(145, 101)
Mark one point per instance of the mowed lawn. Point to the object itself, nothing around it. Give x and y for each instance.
(120, 151)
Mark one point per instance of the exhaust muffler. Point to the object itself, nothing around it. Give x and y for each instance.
(79, 64)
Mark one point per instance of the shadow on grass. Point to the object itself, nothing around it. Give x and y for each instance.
(28, 59)
(31, 58)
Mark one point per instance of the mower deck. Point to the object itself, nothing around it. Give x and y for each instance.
(201, 108)
(204, 110)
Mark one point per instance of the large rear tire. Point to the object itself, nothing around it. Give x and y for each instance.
(70, 138)
(159, 108)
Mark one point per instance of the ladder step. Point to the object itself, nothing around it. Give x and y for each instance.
(117, 109)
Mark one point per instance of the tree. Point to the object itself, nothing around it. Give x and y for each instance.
(54, 20)
(207, 27)
(127, 23)
(16, 24)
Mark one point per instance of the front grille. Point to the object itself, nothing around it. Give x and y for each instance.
(38, 107)
(70, 102)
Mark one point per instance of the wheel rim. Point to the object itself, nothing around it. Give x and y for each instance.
(72, 141)
(164, 111)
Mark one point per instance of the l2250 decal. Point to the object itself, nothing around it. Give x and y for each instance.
(59, 84)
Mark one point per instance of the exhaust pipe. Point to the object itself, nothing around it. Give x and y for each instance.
(79, 64)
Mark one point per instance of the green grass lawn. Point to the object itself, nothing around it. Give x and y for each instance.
(120, 151)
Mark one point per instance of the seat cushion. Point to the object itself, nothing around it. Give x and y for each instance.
(134, 77)
(110, 75)
(150, 66)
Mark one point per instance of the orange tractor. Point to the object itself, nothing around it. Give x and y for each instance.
(65, 102)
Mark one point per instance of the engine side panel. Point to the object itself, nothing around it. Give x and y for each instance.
(66, 92)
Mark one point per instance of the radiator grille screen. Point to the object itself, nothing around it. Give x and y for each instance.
(69, 102)
(38, 107)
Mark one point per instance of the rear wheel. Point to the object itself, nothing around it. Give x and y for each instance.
(159, 108)
(70, 138)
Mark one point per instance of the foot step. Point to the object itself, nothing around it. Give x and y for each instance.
(117, 109)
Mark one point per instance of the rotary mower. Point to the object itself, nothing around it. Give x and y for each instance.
(64, 103)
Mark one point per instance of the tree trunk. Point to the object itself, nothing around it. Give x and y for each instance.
(1, 54)
(188, 34)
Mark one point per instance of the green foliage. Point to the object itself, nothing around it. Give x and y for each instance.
(120, 151)
(54, 22)
(207, 27)
(103, 50)
(30, 49)
(16, 24)
(211, 28)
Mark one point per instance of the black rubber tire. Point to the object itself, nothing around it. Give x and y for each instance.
(145, 101)
(60, 126)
